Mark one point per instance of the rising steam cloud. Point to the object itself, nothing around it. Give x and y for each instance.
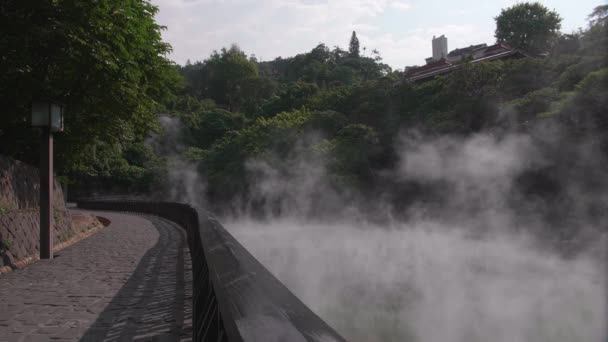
(468, 268)
(185, 184)
(481, 261)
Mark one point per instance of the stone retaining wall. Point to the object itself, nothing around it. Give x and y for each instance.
(20, 186)
(19, 231)
(19, 212)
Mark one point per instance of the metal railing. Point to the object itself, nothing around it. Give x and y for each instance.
(235, 298)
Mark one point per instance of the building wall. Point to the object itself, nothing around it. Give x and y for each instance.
(440, 47)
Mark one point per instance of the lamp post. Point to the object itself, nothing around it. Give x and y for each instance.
(49, 117)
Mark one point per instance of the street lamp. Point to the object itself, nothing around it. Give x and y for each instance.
(48, 116)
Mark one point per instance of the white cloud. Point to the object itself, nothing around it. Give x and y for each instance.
(400, 5)
(414, 46)
(268, 29)
(272, 28)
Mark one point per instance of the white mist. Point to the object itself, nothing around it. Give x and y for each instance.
(428, 283)
(467, 270)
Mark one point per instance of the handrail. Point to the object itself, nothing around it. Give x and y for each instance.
(235, 298)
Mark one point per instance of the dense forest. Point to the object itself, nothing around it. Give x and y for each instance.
(347, 113)
(338, 110)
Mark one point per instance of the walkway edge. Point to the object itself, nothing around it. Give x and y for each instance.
(235, 298)
(22, 263)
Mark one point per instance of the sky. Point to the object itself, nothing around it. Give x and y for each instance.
(401, 30)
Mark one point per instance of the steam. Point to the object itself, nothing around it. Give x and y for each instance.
(476, 174)
(424, 282)
(476, 258)
(468, 267)
(296, 185)
(184, 183)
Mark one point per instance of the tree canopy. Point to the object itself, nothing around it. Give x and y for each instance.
(599, 16)
(104, 60)
(531, 27)
(327, 106)
(353, 46)
(347, 112)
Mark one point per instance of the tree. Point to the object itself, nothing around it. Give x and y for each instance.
(353, 47)
(599, 16)
(351, 152)
(320, 53)
(530, 27)
(338, 54)
(293, 96)
(224, 73)
(376, 56)
(587, 109)
(105, 60)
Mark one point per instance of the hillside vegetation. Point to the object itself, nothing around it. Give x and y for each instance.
(349, 112)
(340, 111)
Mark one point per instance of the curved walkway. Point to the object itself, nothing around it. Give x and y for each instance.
(129, 282)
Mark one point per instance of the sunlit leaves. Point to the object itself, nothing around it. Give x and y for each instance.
(105, 60)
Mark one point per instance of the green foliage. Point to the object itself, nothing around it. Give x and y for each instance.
(228, 77)
(134, 167)
(107, 62)
(293, 96)
(463, 101)
(194, 154)
(356, 106)
(224, 163)
(343, 75)
(574, 73)
(599, 16)
(567, 44)
(338, 99)
(351, 153)
(6, 244)
(521, 77)
(535, 103)
(327, 122)
(274, 105)
(104, 60)
(211, 126)
(327, 68)
(187, 107)
(530, 27)
(353, 46)
(587, 109)
(475, 81)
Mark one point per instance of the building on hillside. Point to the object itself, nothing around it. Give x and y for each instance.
(440, 47)
(442, 62)
(472, 52)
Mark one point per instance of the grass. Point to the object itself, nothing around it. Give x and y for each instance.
(5, 244)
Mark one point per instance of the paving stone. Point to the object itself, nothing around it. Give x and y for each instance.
(10, 337)
(130, 281)
(50, 330)
(35, 338)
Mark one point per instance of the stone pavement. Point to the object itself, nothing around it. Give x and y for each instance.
(132, 281)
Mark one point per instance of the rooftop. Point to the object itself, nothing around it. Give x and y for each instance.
(483, 53)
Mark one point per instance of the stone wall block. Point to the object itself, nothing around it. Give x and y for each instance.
(19, 209)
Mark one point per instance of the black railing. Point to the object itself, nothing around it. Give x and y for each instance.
(235, 298)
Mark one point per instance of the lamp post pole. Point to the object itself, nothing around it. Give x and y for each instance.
(48, 116)
(46, 194)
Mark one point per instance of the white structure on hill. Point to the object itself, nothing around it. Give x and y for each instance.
(440, 47)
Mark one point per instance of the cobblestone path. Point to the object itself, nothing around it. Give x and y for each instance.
(129, 282)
